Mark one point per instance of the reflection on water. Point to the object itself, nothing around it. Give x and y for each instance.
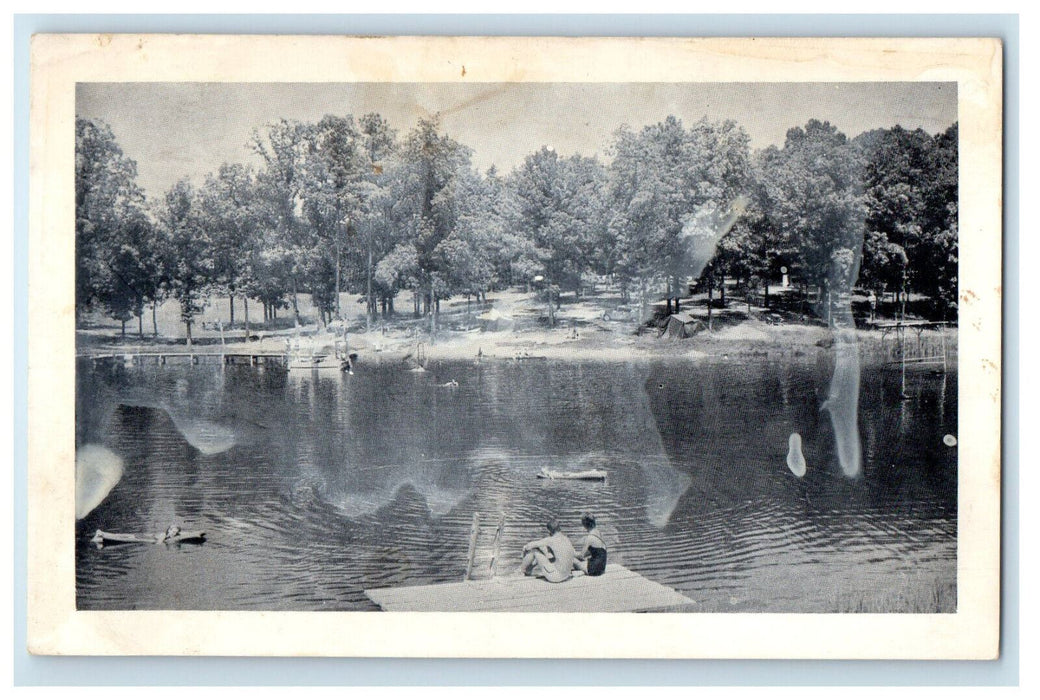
(331, 483)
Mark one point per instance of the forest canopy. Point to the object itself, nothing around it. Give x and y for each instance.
(348, 204)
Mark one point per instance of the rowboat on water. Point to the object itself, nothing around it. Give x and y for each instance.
(336, 362)
(102, 538)
(320, 362)
(587, 475)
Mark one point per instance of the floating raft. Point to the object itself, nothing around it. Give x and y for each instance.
(587, 475)
(617, 590)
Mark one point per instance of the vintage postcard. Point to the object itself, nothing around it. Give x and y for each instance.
(466, 347)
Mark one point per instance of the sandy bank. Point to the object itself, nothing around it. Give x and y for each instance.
(589, 339)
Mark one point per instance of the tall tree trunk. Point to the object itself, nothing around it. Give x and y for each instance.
(722, 289)
(295, 302)
(338, 256)
(140, 322)
(368, 292)
(187, 325)
(433, 312)
(711, 288)
(155, 323)
(231, 301)
(642, 300)
(245, 310)
(122, 330)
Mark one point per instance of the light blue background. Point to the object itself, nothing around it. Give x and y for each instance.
(29, 670)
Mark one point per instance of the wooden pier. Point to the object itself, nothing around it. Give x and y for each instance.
(617, 590)
(162, 358)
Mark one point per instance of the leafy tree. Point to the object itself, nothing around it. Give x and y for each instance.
(560, 212)
(498, 211)
(910, 183)
(935, 259)
(336, 170)
(894, 164)
(282, 147)
(665, 182)
(230, 211)
(429, 168)
(398, 270)
(815, 199)
(191, 262)
(374, 234)
(114, 266)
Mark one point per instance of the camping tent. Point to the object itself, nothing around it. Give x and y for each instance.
(495, 320)
(682, 325)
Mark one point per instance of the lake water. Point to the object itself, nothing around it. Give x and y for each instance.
(313, 486)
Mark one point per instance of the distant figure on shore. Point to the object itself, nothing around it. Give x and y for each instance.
(551, 558)
(592, 559)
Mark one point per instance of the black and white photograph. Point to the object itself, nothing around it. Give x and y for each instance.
(497, 346)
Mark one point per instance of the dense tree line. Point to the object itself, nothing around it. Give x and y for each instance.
(349, 205)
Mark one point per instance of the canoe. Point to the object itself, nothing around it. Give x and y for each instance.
(102, 538)
(587, 475)
(319, 362)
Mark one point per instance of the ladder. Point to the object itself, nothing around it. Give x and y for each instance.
(496, 543)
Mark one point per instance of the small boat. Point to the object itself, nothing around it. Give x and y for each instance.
(587, 475)
(320, 362)
(102, 538)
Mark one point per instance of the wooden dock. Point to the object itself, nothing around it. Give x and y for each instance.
(163, 357)
(617, 590)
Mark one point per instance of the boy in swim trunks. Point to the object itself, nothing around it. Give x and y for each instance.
(551, 558)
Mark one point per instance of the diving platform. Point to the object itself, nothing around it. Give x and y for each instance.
(925, 351)
(617, 590)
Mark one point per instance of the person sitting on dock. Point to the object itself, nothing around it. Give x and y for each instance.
(592, 559)
(551, 558)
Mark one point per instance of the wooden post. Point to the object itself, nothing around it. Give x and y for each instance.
(474, 530)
